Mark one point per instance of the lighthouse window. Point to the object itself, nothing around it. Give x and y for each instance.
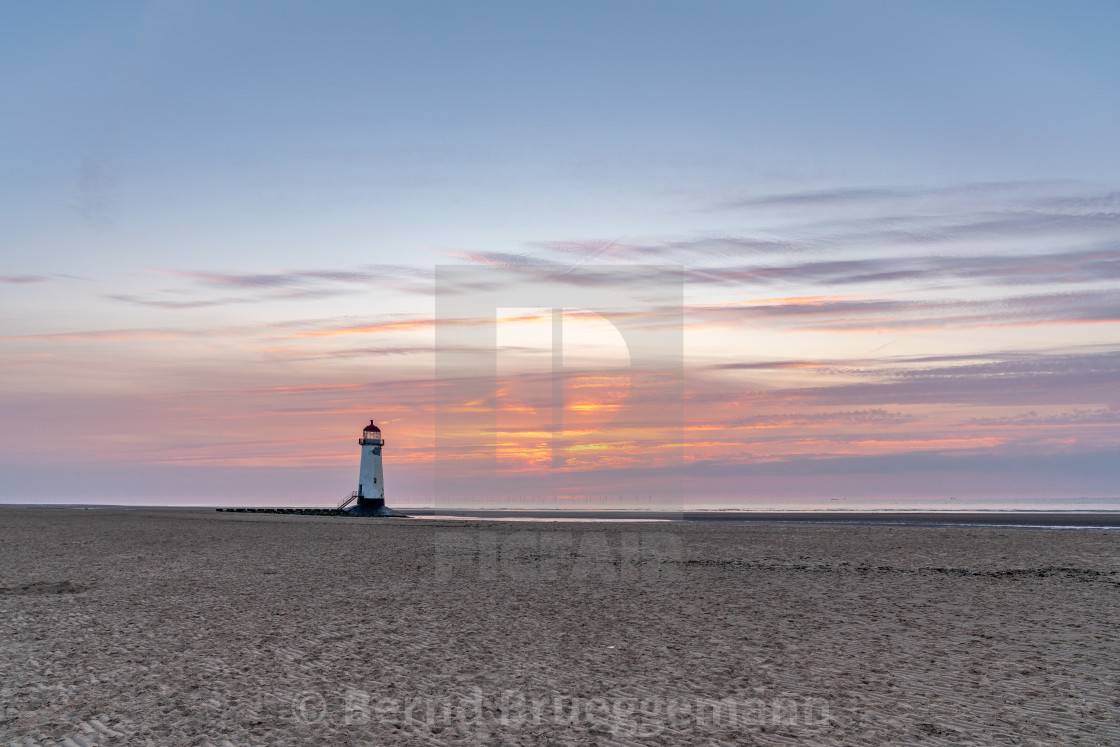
(375, 481)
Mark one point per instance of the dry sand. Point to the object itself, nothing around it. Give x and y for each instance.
(196, 627)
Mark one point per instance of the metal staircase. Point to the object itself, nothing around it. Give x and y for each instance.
(347, 500)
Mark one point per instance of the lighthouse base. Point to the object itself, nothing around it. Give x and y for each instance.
(373, 507)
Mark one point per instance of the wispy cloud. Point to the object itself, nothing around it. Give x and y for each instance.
(270, 287)
(1056, 467)
(682, 251)
(1046, 232)
(393, 325)
(1097, 416)
(398, 277)
(852, 314)
(110, 335)
(1082, 265)
(1030, 381)
(863, 196)
(806, 419)
(165, 303)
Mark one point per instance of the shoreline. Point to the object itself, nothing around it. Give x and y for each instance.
(1102, 519)
(1087, 519)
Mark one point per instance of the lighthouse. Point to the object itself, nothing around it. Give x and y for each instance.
(371, 475)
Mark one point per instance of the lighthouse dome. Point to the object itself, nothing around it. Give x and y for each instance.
(371, 434)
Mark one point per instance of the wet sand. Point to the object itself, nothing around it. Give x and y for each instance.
(917, 518)
(196, 627)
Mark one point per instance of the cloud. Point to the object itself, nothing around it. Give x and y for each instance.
(380, 351)
(887, 363)
(1099, 416)
(900, 219)
(397, 277)
(158, 303)
(702, 248)
(862, 196)
(393, 325)
(839, 196)
(280, 286)
(1026, 380)
(926, 238)
(22, 279)
(804, 419)
(1105, 463)
(1076, 266)
(243, 280)
(940, 392)
(501, 259)
(1051, 232)
(769, 365)
(856, 314)
(113, 335)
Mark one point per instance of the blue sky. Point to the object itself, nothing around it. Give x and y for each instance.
(343, 128)
(191, 182)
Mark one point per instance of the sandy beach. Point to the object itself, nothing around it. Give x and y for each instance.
(192, 627)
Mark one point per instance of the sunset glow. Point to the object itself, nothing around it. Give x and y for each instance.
(898, 264)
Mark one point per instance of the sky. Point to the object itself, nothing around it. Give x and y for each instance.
(879, 241)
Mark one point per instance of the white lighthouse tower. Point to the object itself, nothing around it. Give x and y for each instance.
(371, 475)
